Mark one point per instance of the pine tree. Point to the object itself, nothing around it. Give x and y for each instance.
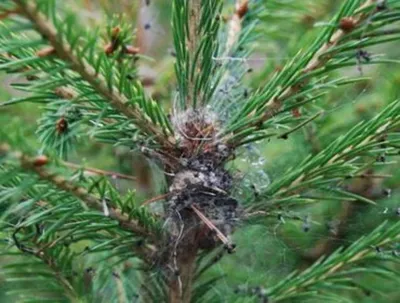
(71, 234)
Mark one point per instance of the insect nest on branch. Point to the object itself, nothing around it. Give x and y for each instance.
(200, 211)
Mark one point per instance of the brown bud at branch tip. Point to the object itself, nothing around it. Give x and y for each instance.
(131, 50)
(47, 51)
(242, 9)
(40, 161)
(109, 49)
(115, 32)
(347, 24)
(61, 125)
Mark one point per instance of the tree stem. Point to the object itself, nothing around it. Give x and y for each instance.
(192, 43)
(181, 283)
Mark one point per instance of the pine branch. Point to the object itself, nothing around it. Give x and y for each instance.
(282, 19)
(36, 165)
(337, 162)
(55, 270)
(66, 93)
(336, 267)
(194, 15)
(195, 24)
(294, 83)
(99, 171)
(89, 74)
(237, 36)
(235, 25)
(365, 187)
(80, 85)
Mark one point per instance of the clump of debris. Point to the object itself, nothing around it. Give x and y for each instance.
(201, 211)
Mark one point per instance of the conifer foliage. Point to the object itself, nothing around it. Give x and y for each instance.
(69, 236)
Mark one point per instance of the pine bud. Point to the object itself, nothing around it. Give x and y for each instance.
(296, 112)
(115, 32)
(242, 9)
(45, 52)
(131, 50)
(40, 161)
(347, 24)
(61, 125)
(109, 49)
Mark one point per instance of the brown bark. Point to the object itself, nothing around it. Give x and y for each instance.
(180, 286)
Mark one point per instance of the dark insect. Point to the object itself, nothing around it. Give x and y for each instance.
(306, 224)
(116, 275)
(381, 5)
(230, 248)
(255, 191)
(284, 136)
(172, 52)
(362, 56)
(381, 158)
(387, 192)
